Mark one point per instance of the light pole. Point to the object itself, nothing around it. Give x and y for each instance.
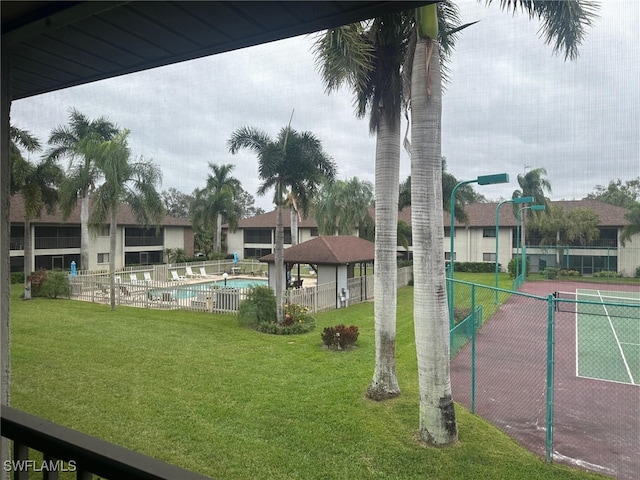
(517, 201)
(531, 207)
(481, 180)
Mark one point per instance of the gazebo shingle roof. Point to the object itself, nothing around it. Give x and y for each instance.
(328, 250)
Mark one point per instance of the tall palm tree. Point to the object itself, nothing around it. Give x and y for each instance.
(532, 184)
(368, 57)
(37, 183)
(124, 182)
(294, 163)
(564, 23)
(81, 175)
(342, 207)
(215, 200)
(464, 196)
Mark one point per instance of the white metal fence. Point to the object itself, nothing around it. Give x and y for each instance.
(155, 287)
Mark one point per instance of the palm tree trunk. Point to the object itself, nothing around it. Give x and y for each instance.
(28, 258)
(217, 234)
(84, 231)
(279, 266)
(112, 259)
(387, 177)
(294, 225)
(431, 319)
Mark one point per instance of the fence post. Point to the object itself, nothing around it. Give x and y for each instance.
(473, 349)
(550, 371)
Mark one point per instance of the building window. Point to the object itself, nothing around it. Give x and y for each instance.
(257, 236)
(489, 232)
(489, 257)
(447, 231)
(103, 231)
(103, 258)
(314, 232)
(447, 256)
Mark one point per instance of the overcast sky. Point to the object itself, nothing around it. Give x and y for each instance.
(510, 105)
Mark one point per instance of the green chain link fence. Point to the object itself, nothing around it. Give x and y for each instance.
(558, 372)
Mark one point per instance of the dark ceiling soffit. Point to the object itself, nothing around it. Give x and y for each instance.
(44, 19)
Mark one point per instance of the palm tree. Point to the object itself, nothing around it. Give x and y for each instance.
(532, 184)
(464, 196)
(38, 185)
(634, 224)
(215, 200)
(294, 163)
(342, 207)
(124, 182)
(368, 57)
(82, 173)
(563, 23)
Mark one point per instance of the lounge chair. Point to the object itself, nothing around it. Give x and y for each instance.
(147, 277)
(190, 273)
(134, 278)
(175, 277)
(204, 274)
(154, 296)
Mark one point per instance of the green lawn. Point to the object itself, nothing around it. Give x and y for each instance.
(196, 390)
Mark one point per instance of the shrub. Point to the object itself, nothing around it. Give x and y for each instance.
(259, 307)
(55, 284)
(550, 273)
(37, 278)
(512, 266)
(607, 273)
(475, 267)
(340, 336)
(638, 272)
(17, 277)
(258, 311)
(460, 313)
(569, 273)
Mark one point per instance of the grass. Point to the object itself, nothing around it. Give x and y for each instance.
(195, 390)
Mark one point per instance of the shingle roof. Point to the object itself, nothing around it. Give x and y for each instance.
(268, 220)
(484, 214)
(125, 216)
(479, 215)
(328, 250)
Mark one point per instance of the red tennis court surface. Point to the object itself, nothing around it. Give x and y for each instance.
(596, 422)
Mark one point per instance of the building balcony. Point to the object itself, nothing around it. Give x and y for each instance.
(67, 450)
(56, 243)
(130, 241)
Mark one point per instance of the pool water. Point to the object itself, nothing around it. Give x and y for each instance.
(189, 291)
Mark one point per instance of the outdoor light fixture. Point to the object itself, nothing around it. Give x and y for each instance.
(480, 180)
(517, 201)
(225, 275)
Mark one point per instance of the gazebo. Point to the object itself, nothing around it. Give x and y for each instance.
(334, 259)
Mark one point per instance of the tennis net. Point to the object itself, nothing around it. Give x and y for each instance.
(611, 304)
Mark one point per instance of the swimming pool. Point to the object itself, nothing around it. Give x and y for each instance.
(190, 291)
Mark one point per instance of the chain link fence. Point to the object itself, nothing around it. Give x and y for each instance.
(558, 371)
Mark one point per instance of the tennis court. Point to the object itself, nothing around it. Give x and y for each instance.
(595, 353)
(607, 333)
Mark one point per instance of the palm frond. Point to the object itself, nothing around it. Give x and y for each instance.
(564, 22)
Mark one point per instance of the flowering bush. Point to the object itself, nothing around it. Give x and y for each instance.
(294, 313)
(259, 311)
(340, 336)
